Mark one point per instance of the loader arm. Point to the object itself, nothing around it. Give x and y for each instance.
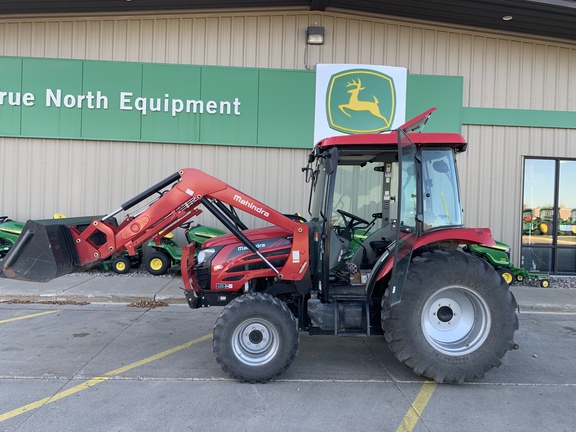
(46, 251)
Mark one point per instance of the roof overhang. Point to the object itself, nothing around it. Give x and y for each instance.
(551, 18)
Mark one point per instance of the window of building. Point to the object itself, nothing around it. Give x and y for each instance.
(549, 216)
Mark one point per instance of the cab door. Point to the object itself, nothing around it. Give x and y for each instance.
(405, 221)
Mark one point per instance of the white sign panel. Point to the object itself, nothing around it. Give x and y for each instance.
(353, 99)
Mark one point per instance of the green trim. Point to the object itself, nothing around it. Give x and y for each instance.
(519, 118)
(443, 92)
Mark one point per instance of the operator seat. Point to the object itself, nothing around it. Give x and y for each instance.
(373, 247)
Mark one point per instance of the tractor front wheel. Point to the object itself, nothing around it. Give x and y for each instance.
(456, 320)
(255, 338)
(506, 274)
(157, 263)
(121, 264)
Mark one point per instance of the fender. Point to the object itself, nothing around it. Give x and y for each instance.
(455, 235)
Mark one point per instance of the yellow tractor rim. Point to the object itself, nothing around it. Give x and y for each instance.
(508, 277)
(156, 264)
(120, 266)
(544, 228)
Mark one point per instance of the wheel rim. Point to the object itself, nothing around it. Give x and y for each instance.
(255, 342)
(120, 266)
(508, 277)
(156, 264)
(456, 320)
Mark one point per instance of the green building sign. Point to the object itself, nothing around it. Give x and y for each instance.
(149, 102)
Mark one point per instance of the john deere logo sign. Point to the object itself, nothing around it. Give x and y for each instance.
(360, 101)
(353, 99)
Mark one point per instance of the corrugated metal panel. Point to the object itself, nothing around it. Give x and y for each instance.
(499, 71)
(88, 178)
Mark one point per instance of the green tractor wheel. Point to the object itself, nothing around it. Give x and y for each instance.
(519, 278)
(545, 283)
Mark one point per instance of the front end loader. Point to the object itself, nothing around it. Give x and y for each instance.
(446, 314)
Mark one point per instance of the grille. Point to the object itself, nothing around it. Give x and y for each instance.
(203, 277)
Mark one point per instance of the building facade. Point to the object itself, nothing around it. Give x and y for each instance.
(518, 114)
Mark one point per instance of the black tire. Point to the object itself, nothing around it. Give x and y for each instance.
(456, 320)
(255, 338)
(157, 263)
(136, 260)
(121, 265)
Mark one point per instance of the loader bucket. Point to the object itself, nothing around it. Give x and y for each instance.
(44, 251)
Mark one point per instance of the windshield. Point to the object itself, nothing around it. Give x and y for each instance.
(441, 200)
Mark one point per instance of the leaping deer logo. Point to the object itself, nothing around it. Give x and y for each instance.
(354, 104)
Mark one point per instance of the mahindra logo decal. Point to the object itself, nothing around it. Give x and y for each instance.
(251, 206)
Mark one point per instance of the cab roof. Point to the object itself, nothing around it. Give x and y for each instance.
(390, 139)
(361, 149)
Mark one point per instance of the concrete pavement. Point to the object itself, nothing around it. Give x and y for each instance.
(111, 288)
(96, 288)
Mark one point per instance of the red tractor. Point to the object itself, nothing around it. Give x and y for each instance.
(445, 314)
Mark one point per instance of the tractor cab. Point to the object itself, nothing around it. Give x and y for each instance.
(371, 197)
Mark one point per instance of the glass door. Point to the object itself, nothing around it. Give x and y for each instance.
(549, 216)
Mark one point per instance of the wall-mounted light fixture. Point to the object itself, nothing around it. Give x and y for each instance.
(315, 35)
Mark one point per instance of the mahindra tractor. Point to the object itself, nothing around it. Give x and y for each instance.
(445, 313)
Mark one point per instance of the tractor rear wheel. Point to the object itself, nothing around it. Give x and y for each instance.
(456, 320)
(255, 338)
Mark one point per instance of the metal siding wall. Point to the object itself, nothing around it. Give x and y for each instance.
(89, 178)
(500, 71)
(491, 173)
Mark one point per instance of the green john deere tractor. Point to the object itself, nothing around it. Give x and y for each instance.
(167, 254)
(9, 232)
(530, 223)
(499, 257)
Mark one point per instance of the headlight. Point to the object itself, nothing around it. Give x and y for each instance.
(205, 254)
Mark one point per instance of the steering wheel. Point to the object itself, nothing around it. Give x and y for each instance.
(352, 221)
